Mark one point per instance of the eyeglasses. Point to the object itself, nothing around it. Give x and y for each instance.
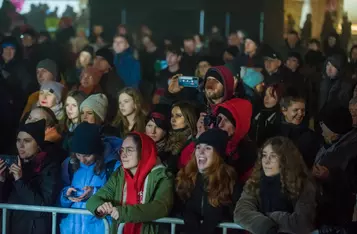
(128, 151)
(273, 158)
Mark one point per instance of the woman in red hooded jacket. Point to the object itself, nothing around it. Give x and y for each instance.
(139, 192)
(234, 117)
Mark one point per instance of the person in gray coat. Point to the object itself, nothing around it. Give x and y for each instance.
(279, 197)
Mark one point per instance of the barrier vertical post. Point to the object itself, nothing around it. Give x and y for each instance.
(224, 230)
(4, 215)
(173, 228)
(54, 222)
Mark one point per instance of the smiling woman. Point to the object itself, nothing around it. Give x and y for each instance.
(279, 196)
(207, 185)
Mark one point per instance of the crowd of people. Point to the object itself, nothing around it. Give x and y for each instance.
(266, 139)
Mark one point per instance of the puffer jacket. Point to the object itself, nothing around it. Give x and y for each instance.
(84, 176)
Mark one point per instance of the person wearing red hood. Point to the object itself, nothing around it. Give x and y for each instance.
(219, 85)
(234, 117)
(139, 192)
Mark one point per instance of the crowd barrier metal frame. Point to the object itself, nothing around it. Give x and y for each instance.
(45, 209)
(58, 210)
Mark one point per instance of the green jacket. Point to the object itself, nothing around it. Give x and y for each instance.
(158, 199)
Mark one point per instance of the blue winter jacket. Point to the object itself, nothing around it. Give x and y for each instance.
(128, 68)
(85, 176)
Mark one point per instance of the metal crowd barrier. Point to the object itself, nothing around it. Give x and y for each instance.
(175, 221)
(58, 210)
(46, 209)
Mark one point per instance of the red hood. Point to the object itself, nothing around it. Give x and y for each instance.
(241, 111)
(227, 79)
(147, 160)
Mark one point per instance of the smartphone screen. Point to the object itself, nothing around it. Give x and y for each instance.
(188, 81)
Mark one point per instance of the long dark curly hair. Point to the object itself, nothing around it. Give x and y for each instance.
(293, 171)
(99, 163)
(220, 178)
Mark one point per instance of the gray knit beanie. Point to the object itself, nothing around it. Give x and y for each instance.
(98, 103)
(54, 87)
(50, 66)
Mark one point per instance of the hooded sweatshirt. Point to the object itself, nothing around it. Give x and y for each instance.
(227, 80)
(142, 198)
(240, 155)
(334, 90)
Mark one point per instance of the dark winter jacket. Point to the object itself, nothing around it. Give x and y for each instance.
(254, 98)
(39, 186)
(336, 197)
(16, 77)
(128, 68)
(306, 140)
(286, 49)
(249, 215)
(335, 91)
(278, 77)
(197, 208)
(111, 85)
(265, 124)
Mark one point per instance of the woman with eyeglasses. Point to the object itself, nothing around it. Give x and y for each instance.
(279, 197)
(139, 192)
(84, 173)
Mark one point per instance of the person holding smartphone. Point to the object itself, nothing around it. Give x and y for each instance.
(32, 180)
(84, 173)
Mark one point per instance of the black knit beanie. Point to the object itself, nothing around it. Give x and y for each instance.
(213, 72)
(216, 138)
(227, 114)
(87, 139)
(337, 119)
(107, 54)
(36, 130)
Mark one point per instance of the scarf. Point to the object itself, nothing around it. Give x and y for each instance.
(177, 140)
(271, 196)
(58, 111)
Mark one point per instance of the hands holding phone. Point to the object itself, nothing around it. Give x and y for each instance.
(108, 209)
(87, 192)
(174, 84)
(14, 169)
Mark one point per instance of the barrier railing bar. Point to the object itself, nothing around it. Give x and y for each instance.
(46, 209)
(55, 210)
(4, 215)
(54, 222)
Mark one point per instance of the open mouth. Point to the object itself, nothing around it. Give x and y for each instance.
(202, 161)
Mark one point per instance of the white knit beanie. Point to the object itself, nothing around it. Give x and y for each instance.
(98, 103)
